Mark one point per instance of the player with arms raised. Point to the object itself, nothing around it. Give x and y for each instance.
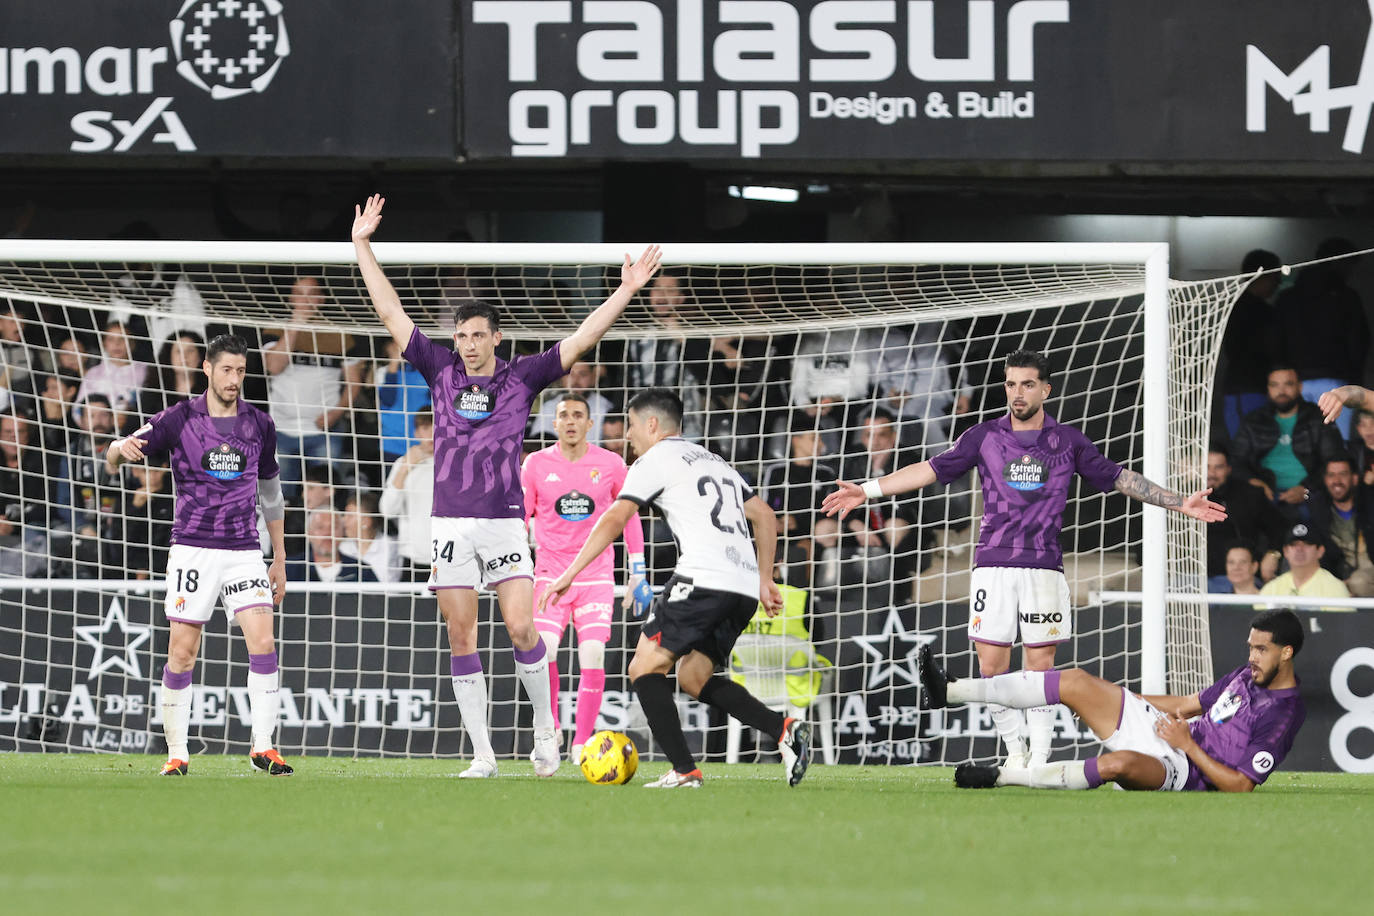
(224, 463)
(721, 576)
(1026, 462)
(1248, 720)
(568, 486)
(481, 404)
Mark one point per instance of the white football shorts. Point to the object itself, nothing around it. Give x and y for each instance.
(1005, 598)
(196, 576)
(473, 552)
(1136, 732)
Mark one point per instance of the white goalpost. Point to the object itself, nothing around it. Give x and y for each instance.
(799, 363)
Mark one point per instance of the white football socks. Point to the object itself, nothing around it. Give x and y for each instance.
(264, 704)
(533, 668)
(1020, 689)
(1067, 775)
(1040, 729)
(1009, 724)
(176, 716)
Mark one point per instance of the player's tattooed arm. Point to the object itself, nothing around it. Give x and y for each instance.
(1137, 486)
(1197, 506)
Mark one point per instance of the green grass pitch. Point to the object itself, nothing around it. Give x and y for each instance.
(104, 834)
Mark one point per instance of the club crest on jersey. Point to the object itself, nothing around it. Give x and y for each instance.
(574, 507)
(595, 475)
(224, 462)
(474, 402)
(1024, 473)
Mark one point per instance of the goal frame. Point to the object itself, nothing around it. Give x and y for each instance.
(1152, 257)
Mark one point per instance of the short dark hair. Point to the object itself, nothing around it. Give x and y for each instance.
(1282, 367)
(660, 401)
(877, 414)
(1259, 259)
(319, 474)
(1247, 547)
(424, 416)
(1283, 625)
(1219, 448)
(1030, 359)
(573, 396)
(1340, 459)
(225, 343)
(476, 308)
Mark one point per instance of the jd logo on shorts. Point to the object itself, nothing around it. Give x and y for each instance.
(474, 403)
(1025, 473)
(224, 462)
(574, 507)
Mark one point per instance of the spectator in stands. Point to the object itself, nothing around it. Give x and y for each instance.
(317, 495)
(56, 394)
(178, 374)
(147, 511)
(1342, 520)
(313, 378)
(1241, 576)
(88, 495)
(16, 359)
(401, 391)
(118, 377)
(365, 539)
(71, 355)
(1305, 577)
(794, 488)
(737, 377)
(915, 382)
(1321, 297)
(1249, 346)
(408, 498)
(669, 358)
(322, 561)
(613, 438)
(1250, 516)
(1284, 445)
(24, 499)
(1361, 446)
(581, 380)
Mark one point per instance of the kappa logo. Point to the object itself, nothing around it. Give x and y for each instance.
(553, 478)
(1308, 89)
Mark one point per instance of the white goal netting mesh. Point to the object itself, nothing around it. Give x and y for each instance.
(799, 371)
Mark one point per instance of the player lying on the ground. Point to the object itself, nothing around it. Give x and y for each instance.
(1247, 723)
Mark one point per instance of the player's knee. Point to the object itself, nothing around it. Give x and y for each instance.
(522, 635)
(591, 653)
(692, 681)
(993, 668)
(550, 641)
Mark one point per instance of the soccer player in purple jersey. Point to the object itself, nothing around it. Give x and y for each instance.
(481, 404)
(1243, 725)
(224, 463)
(1026, 462)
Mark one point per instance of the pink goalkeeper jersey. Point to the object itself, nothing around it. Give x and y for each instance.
(563, 500)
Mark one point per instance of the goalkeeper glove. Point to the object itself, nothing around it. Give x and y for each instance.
(642, 592)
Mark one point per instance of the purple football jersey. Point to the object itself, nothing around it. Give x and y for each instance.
(479, 427)
(1025, 487)
(216, 465)
(1246, 727)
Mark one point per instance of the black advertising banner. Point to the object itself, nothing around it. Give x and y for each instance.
(294, 78)
(1170, 80)
(1336, 670)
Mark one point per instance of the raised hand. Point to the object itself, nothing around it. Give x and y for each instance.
(366, 219)
(637, 274)
(1200, 507)
(843, 499)
(132, 448)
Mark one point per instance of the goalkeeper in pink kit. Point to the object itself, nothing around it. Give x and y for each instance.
(567, 488)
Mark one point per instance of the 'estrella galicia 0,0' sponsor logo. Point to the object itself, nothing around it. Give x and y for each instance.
(224, 462)
(474, 403)
(574, 507)
(1025, 473)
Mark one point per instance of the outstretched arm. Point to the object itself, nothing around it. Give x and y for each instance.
(1352, 396)
(1197, 506)
(848, 496)
(384, 298)
(594, 326)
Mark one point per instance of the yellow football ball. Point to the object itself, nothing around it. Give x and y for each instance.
(609, 759)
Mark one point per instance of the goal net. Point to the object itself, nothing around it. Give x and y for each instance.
(799, 364)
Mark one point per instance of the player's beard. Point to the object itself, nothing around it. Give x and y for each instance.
(224, 399)
(1262, 677)
(1025, 413)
